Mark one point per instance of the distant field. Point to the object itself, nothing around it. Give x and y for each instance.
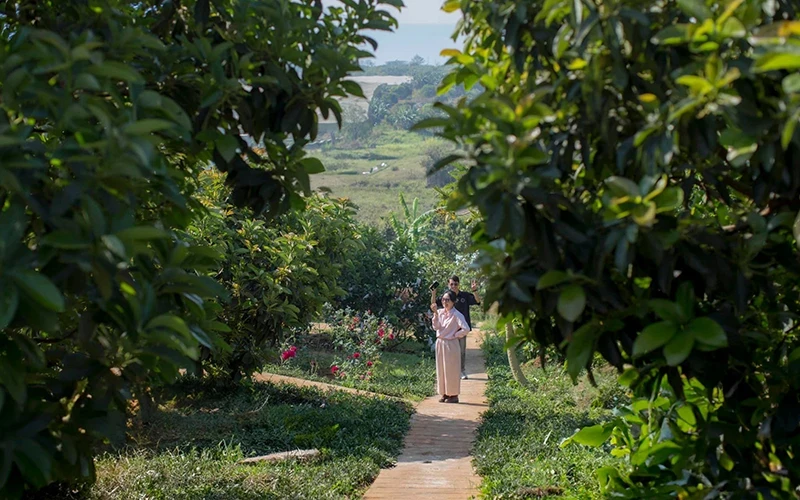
(377, 194)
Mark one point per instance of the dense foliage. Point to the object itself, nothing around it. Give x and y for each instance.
(636, 168)
(108, 111)
(278, 275)
(388, 278)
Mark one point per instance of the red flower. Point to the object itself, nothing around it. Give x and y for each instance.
(369, 363)
(334, 369)
(293, 348)
(285, 355)
(356, 355)
(380, 332)
(391, 336)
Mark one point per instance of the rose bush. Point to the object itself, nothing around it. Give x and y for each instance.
(359, 339)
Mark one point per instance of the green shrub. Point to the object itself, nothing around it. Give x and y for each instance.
(108, 112)
(635, 165)
(280, 275)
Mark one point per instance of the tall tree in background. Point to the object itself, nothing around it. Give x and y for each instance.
(637, 169)
(108, 110)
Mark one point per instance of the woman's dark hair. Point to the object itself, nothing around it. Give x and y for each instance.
(450, 294)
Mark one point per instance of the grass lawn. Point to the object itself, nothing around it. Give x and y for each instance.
(408, 375)
(192, 449)
(377, 194)
(517, 450)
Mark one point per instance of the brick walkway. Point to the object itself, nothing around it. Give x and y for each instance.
(436, 461)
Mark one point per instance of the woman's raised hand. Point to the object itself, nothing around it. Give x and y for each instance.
(433, 308)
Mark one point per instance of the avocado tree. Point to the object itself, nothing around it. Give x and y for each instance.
(108, 111)
(636, 166)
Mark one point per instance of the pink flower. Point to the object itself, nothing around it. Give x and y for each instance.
(356, 355)
(334, 369)
(285, 355)
(380, 332)
(391, 336)
(369, 363)
(293, 348)
(369, 374)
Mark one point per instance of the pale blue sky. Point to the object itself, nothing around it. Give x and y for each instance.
(424, 30)
(419, 12)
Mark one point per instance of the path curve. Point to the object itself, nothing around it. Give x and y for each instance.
(273, 378)
(436, 461)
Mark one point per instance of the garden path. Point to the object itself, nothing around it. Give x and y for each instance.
(436, 461)
(301, 382)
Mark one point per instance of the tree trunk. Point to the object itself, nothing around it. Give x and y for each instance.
(513, 361)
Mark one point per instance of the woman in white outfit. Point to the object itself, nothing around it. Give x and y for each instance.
(450, 326)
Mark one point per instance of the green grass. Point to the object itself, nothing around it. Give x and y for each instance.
(192, 449)
(408, 375)
(377, 194)
(517, 451)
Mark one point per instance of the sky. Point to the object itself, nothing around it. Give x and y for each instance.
(423, 30)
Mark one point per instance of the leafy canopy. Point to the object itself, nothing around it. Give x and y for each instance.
(108, 112)
(635, 165)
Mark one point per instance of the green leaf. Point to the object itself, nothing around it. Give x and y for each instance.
(147, 126)
(170, 322)
(791, 84)
(9, 300)
(40, 289)
(594, 435)
(227, 146)
(777, 61)
(685, 299)
(667, 310)
(679, 347)
(670, 199)
(551, 278)
(117, 71)
(33, 462)
(707, 331)
(695, 8)
(580, 349)
(620, 186)
(788, 129)
(674, 35)
(67, 240)
(312, 165)
(430, 123)
(696, 84)
(571, 302)
(451, 6)
(644, 214)
(447, 160)
(653, 337)
(353, 88)
(115, 245)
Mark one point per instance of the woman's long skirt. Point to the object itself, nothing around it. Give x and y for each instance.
(448, 367)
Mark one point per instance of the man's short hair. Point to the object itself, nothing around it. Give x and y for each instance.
(455, 278)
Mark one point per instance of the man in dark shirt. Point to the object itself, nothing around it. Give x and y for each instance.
(462, 303)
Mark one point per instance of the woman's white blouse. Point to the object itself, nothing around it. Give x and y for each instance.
(450, 325)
